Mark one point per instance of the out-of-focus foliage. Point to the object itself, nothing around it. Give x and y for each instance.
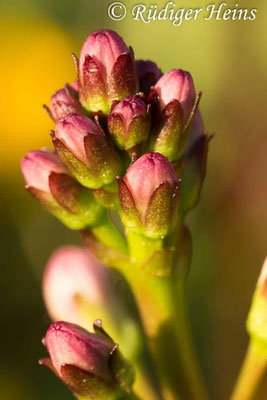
(228, 61)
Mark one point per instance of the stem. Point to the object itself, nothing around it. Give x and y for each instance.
(163, 308)
(109, 235)
(252, 370)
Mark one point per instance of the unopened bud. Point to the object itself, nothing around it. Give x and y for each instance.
(51, 184)
(86, 151)
(178, 105)
(64, 102)
(148, 196)
(129, 122)
(107, 71)
(90, 364)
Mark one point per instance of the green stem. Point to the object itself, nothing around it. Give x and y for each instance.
(252, 370)
(163, 308)
(108, 234)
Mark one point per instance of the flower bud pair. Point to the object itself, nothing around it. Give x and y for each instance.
(86, 151)
(90, 364)
(178, 103)
(149, 195)
(129, 122)
(107, 71)
(50, 183)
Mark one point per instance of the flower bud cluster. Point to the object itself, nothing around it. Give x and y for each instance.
(116, 109)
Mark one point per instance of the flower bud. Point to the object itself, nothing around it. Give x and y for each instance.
(177, 85)
(178, 105)
(73, 274)
(148, 74)
(86, 151)
(50, 183)
(90, 364)
(129, 122)
(257, 318)
(148, 196)
(107, 71)
(64, 102)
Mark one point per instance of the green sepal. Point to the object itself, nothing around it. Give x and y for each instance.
(123, 80)
(78, 169)
(188, 124)
(129, 213)
(121, 370)
(160, 214)
(77, 210)
(165, 139)
(193, 174)
(138, 130)
(85, 383)
(104, 161)
(116, 129)
(93, 92)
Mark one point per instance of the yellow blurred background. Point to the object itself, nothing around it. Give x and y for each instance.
(228, 60)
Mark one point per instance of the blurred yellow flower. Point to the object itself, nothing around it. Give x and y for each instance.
(35, 62)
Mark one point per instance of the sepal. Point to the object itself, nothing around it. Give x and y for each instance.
(92, 91)
(68, 201)
(85, 383)
(129, 213)
(171, 130)
(193, 174)
(167, 136)
(160, 215)
(122, 81)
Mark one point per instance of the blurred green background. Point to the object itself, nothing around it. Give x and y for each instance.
(228, 60)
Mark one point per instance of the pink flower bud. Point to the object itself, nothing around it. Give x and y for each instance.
(128, 108)
(36, 167)
(129, 122)
(104, 46)
(90, 364)
(86, 151)
(149, 196)
(177, 85)
(48, 181)
(69, 344)
(148, 74)
(63, 102)
(71, 131)
(106, 71)
(71, 274)
(146, 175)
